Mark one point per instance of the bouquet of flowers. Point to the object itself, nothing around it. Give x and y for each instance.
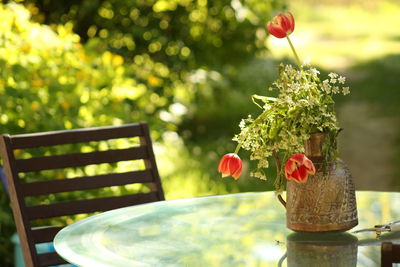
(304, 106)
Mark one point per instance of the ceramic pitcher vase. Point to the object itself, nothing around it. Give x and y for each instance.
(326, 202)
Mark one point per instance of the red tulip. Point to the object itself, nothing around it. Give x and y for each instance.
(298, 167)
(230, 165)
(281, 25)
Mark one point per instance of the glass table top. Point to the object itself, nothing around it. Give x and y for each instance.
(246, 229)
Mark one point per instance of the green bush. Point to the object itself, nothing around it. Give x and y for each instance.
(50, 81)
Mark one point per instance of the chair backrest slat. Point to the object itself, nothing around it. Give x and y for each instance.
(86, 183)
(75, 136)
(45, 234)
(50, 259)
(88, 205)
(80, 159)
(22, 192)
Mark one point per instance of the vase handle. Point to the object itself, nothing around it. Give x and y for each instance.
(280, 198)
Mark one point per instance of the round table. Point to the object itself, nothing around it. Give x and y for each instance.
(245, 229)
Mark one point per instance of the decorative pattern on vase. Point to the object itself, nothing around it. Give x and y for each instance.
(326, 202)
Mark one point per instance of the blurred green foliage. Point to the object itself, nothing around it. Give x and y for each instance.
(183, 34)
(50, 81)
(88, 63)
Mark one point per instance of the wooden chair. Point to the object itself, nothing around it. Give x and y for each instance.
(390, 253)
(20, 190)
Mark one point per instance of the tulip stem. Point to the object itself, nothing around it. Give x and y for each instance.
(237, 149)
(278, 182)
(294, 51)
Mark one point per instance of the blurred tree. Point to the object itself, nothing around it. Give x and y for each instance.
(183, 34)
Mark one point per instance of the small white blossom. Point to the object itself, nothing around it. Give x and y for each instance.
(346, 90)
(335, 89)
(342, 79)
(333, 75)
(314, 71)
(326, 86)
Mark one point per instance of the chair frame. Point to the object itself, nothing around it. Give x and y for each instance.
(390, 253)
(18, 190)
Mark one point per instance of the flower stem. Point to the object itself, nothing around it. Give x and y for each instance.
(237, 149)
(278, 182)
(294, 51)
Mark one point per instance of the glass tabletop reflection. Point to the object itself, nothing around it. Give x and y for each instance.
(245, 229)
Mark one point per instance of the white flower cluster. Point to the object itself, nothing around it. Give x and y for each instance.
(332, 85)
(303, 106)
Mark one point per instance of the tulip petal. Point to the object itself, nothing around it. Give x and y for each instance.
(303, 175)
(297, 167)
(288, 175)
(298, 158)
(276, 30)
(222, 164)
(291, 21)
(309, 166)
(281, 25)
(290, 166)
(230, 164)
(295, 175)
(233, 165)
(285, 23)
(238, 172)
